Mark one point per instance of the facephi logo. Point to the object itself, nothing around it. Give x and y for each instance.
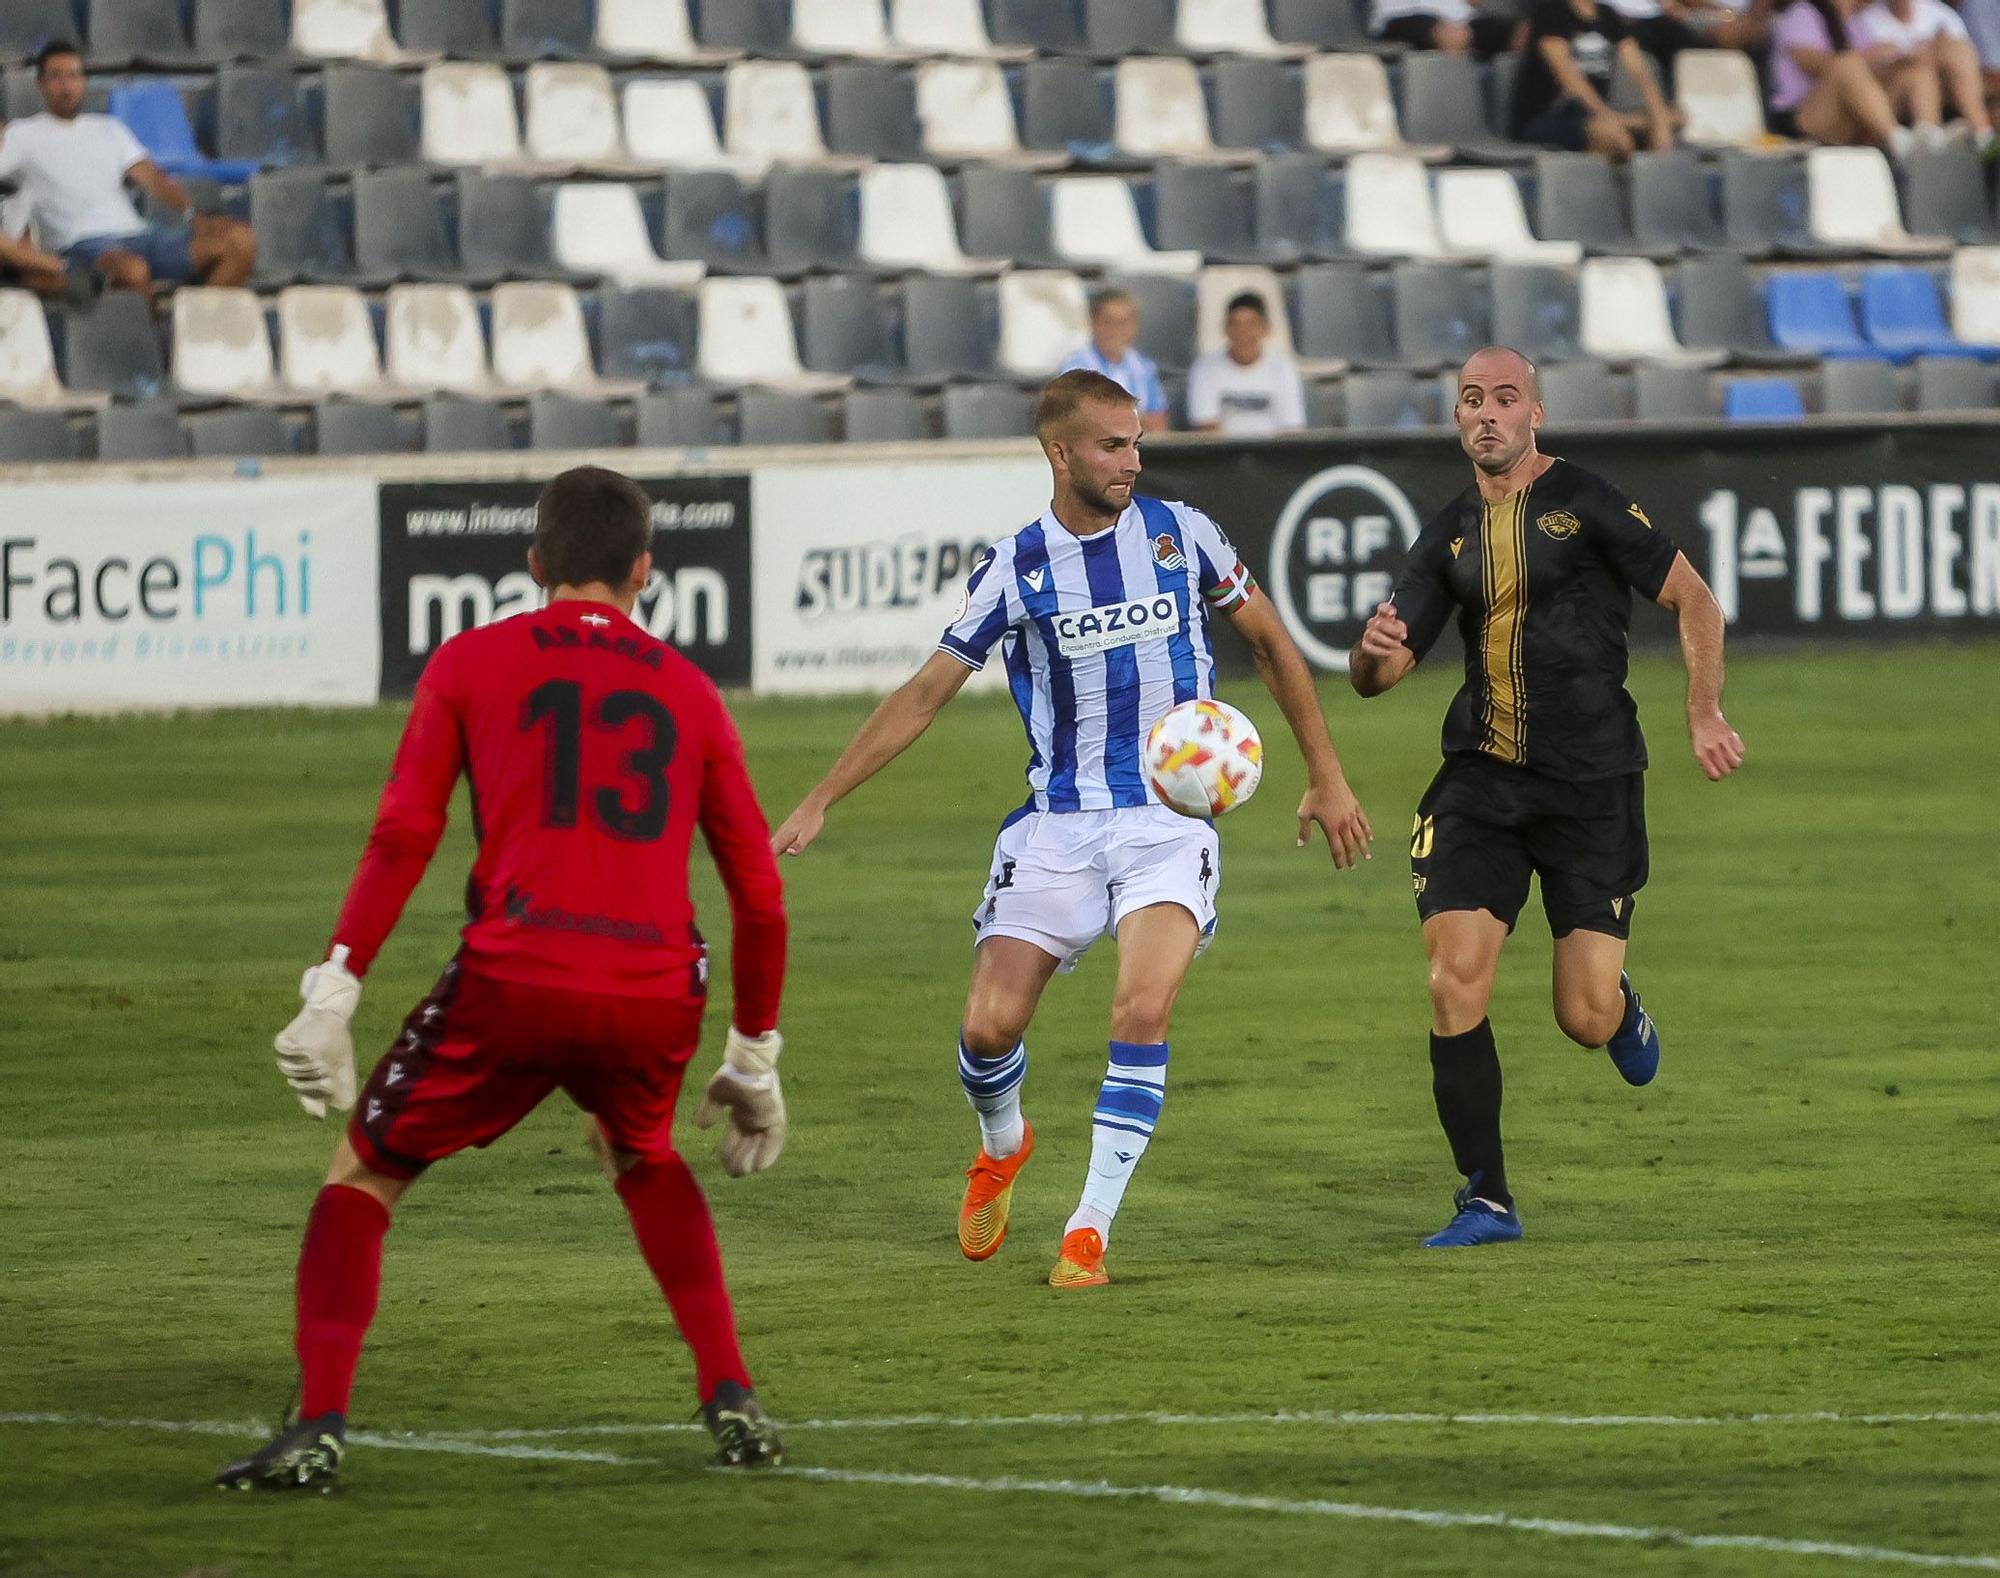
(689, 607)
(1335, 553)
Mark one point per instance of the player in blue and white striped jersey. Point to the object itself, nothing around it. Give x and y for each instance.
(1101, 609)
(1113, 350)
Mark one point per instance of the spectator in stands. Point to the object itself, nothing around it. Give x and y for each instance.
(1982, 22)
(1113, 351)
(1924, 56)
(73, 168)
(1727, 24)
(1246, 390)
(22, 262)
(1453, 26)
(1562, 92)
(1822, 87)
(1660, 27)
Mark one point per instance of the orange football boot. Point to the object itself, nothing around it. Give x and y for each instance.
(982, 1215)
(1081, 1264)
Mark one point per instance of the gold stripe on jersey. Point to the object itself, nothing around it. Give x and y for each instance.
(1503, 571)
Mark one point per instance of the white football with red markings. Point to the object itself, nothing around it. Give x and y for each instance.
(1204, 758)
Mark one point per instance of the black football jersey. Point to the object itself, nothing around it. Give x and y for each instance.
(1542, 582)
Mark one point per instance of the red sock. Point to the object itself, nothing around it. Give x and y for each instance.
(677, 1237)
(340, 1276)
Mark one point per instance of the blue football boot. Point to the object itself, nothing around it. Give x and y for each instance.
(1477, 1222)
(1635, 1050)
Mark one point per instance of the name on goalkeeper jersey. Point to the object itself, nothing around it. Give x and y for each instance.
(1091, 630)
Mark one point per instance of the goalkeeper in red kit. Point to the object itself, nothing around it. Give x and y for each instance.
(593, 752)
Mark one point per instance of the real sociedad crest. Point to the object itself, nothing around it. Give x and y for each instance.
(1167, 553)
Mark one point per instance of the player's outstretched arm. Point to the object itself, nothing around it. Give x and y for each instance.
(890, 730)
(1717, 747)
(1382, 656)
(1328, 800)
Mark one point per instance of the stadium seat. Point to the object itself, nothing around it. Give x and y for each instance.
(240, 30)
(712, 218)
(955, 28)
(1673, 208)
(1445, 102)
(950, 329)
(453, 424)
(1858, 388)
(671, 124)
(1671, 392)
(567, 421)
(572, 118)
(28, 375)
(26, 25)
(1228, 27)
(988, 411)
(1044, 27)
(653, 30)
(356, 427)
(326, 343)
(756, 27)
(1333, 25)
(1625, 316)
(1537, 310)
(1903, 316)
(1066, 108)
(1953, 383)
(340, 30)
(1575, 392)
(152, 109)
(906, 223)
(883, 416)
(1216, 287)
(1480, 215)
(141, 430)
(1810, 312)
(1348, 108)
(135, 33)
(648, 333)
(1946, 194)
(112, 347)
(236, 432)
(1975, 296)
(1389, 209)
(967, 113)
(747, 338)
(1259, 104)
(598, 229)
(1851, 194)
(1764, 206)
(457, 29)
(1159, 113)
(368, 118)
(1722, 307)
(1762, 400)
(434, 342)
(398, 231)
(1043, 317)
(503, 229)
(1576, 199)
(1441, 314)
(222, 348)
(1297, 206)
(776, 416)
(538, 30)
(32, 436)
(469, 115)
(844, 328)
(1716, 89)
(1342, 317)
(856, 29)
(871, 111)
(300, 234)
(1115, 29)
(540, 342)
(1167, 317)
(769, 115)
(812, 219)
(682, 418)
(1390, 400)
(1207, 208)
(1006, 215)
(1095, 223)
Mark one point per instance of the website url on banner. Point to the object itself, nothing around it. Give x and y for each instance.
(518, 520)
(51, 653)
(905, 655)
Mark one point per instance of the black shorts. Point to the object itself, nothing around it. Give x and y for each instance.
(1484, 827)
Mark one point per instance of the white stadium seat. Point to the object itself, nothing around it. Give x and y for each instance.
(1095, 222)
(1161, 114)
(326, 343)
(1480, 213)
(1851, 203)
(1349, 108)
(28, 373)
(747, 337)
(770, 116)
(221, 345)
(1389, 210)
(947, 27)
(345, 30)
(1213, 291)
(469, 115)
(1229, 27)
(1625, 316)
(1716, 89)
(434, 340)
(843, 27)
(597, 227)
(573, 118)
(906, 222)
(539, 342)
(669, 122)
(967, 113)
(653, 30)
(1044, 315)
(1975, 295)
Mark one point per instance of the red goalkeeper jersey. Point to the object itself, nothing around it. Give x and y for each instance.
(593, 752)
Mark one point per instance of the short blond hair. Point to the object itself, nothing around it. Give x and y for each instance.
(1063, 396)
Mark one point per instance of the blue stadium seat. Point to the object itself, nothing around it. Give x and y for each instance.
(157, 117)
(1810, 312)
(1762, 400)
(1902, 313)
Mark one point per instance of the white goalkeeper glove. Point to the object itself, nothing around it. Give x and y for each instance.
(315, 1051)
(746, 1087)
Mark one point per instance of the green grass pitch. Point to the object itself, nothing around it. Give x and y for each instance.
(1796, 1219)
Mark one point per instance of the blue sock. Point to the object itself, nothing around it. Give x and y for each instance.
(1128, 1106)
(993, 1086)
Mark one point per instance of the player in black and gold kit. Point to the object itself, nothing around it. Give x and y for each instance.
(1543, 759)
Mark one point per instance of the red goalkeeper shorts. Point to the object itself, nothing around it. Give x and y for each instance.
(479, 1054)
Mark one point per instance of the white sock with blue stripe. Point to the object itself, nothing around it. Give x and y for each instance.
(1128, 1105)
(993, 1086)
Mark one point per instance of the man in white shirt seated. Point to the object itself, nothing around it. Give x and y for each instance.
(1923, 55)
(1113, 351)
(1451, 26)
(1246, 390)
(72, 167)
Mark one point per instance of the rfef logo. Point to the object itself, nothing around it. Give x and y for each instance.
(1336, 551)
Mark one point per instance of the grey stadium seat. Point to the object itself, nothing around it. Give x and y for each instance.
(1117, 28)
(26, 25)
(774, 416)
(545, 30)
(1167, 328)
(1663, 392)
(1722, 308)
(1389, 399)
(1258, 104)
(648, 332)
(1342, 315)
(1328, 24)
(685, 418)
(1006, 216)
(988, 411)
(1444, 101)
(1579, 392)
(812, 219)
(145, 430)
(1947, 195)
(711, 216)
(140, 32)
(1673, 208)
(27, 435)
(1298, 207)
(1066, 105)
(1442, 315)
(884, 416)
(1537, 311)
(558, 421)
(357, 427)
(113, 347)
(398, 231)
(503, 229)
(456, 29)
(844, 328)
(1048, 26)
(1577, 199)
(871, 109)
(1205, 208)
(369, 117)
(760, 27)
(246, 430)
(1858, 388)
(260, 115)
(300, 233)
(1953, 383)
(1764, 206)
(950, 328)
(454, 425)
(241, 30)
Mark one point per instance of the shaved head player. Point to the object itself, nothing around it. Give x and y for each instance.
(1544, 764)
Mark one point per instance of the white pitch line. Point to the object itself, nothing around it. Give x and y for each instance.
(402, 1441)
(1192, 1496)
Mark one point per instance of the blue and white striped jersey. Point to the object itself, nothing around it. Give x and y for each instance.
(1133, 372)
(1100, 635)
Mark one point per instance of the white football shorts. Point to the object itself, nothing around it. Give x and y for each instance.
(1063, 879)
